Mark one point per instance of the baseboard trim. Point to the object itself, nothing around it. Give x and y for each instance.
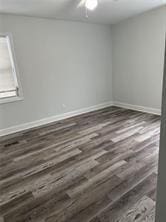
(38, 123)
(138, 108)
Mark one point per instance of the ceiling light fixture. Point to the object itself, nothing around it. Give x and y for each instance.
(91, 4)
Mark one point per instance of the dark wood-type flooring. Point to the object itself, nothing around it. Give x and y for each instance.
(96, 167)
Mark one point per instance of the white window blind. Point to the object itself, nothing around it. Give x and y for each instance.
(8, 80)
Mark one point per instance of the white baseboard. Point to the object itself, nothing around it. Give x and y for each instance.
(138, 108)
(51, 119)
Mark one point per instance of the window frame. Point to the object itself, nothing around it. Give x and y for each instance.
(15, 71)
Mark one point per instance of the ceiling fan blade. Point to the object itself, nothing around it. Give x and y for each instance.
(82, 3)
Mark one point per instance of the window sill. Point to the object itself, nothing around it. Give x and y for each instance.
(10, 100)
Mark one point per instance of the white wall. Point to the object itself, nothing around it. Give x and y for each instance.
(138, 58)
(59, 63)
(71, 63)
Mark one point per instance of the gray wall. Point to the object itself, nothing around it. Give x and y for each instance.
(59, 63)
(138, 57)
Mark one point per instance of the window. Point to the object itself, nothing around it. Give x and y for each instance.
(9, 87)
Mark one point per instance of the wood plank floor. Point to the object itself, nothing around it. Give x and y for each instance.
(96, 167)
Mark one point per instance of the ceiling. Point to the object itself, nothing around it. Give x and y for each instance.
(108, 11)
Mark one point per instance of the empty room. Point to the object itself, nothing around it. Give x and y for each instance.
(82, 119)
